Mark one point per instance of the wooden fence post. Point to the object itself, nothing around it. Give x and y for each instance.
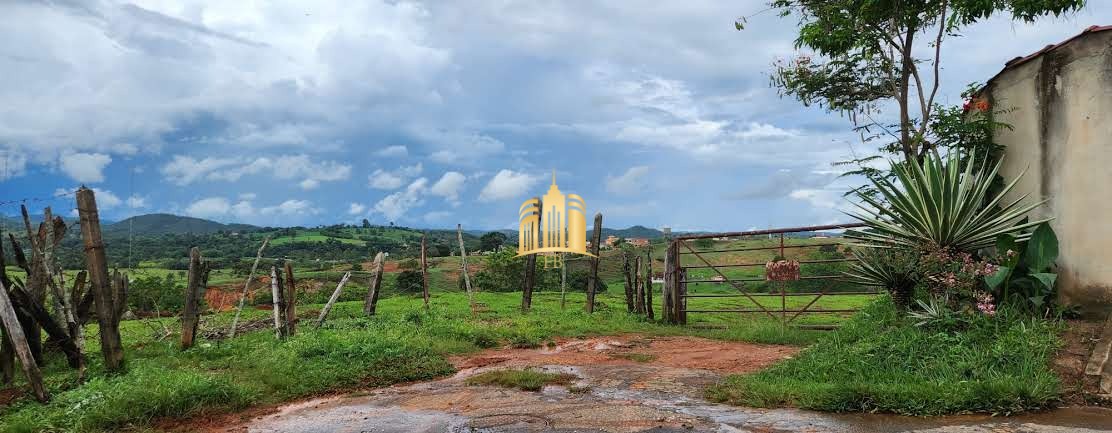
(275, 302)
(370, 303)
(424, 272)
(291, 300)
(592, 278)
(627, 274)
(198, 270)
(530, 281)
(638, 287)
(463, 267)
(14, 334)
(246, 285)
(332, 299)
(103, 295)
(668, 286)
(649, 284)
(563, 280)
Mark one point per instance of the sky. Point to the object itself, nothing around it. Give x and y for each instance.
(431, 114)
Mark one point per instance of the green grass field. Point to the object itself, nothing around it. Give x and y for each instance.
(401, 343)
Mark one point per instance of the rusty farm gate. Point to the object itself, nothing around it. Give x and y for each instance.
(779, 273)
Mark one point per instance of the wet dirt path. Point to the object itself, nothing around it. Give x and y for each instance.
(619, 391)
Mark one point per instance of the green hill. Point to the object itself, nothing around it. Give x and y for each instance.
(632, 232)
(160, 223)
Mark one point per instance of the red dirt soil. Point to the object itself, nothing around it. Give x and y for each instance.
(676, 352)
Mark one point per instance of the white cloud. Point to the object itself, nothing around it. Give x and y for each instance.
(184, 170)
(221, 208)
(395, 205)
(356, 208)
(290, 207)
(394, 179)
(136, 202)
(211, 207)
(105, 199)
(436, 216)
(393, 151)
(248, 196)
(12, 164)
(507, 184)
(449, 187)
(84, 167)
(460, 148)
(309, 184)
(631, 182)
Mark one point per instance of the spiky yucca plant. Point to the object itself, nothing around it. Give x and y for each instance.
(894, 269)
(945, 202)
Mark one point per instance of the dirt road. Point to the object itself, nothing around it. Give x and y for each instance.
(622, 387)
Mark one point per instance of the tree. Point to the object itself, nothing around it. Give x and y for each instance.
(409, 281)
(868, 50)
(366, 223)
(492, 241)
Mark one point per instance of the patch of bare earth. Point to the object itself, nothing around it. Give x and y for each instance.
(1077, 345)
(617, 373)
(677, 352)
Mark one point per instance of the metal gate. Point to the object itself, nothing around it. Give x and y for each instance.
(691, 266)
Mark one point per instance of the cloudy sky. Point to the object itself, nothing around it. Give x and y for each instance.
(429, 114)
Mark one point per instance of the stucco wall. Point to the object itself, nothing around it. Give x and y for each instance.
(1061, 104)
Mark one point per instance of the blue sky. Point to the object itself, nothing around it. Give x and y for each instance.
(429, 114)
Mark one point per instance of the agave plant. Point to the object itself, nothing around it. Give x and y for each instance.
(893, 269)
(944, 202)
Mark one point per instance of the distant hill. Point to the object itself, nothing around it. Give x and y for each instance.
(631, 232)
(160, 224)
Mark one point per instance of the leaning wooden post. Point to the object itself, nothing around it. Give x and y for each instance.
(291, 300)
(14, 334)
(592, 278)
(332, 299)
(189, 314)
(370, 303)
(275, 301)
(424, 272)
(103, 296)
(649, 284)
(463, 267)
(246, 285)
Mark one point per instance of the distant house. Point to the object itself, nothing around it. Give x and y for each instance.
(638, 242)
(610, 241)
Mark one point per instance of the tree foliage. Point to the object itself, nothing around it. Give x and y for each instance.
(869, 54)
